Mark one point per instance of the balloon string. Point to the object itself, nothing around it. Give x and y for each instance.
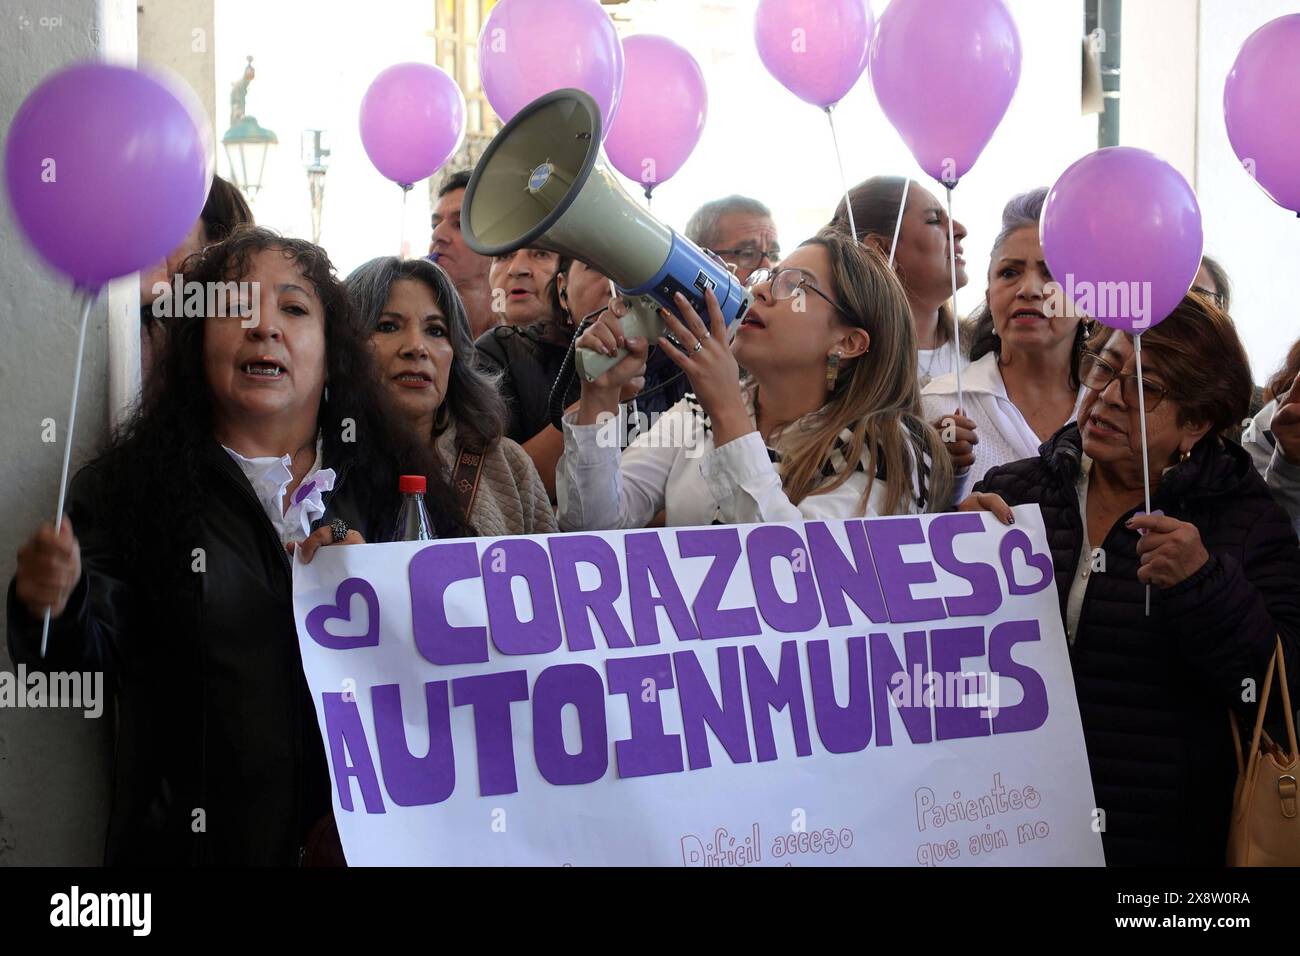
(839, 161)
(1146, 467)
(956, 327)
(898, 226)
(88, 297)
(401, 245)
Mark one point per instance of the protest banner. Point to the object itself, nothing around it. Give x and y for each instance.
(890, 691)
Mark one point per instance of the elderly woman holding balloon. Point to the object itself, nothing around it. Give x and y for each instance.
(1177, 572)
(1217, 551)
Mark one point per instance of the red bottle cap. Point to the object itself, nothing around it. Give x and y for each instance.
(412, 484)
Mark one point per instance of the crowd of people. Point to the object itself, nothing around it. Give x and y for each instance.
(834, 397)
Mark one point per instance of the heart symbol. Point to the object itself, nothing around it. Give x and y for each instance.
(342, 608)
(1017, 542)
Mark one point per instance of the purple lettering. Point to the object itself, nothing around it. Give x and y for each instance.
(887, 537)
(1031, 712)
(847, 729)
(649, 750)
(777, 693)
(491, 695)
(885, 667)
(520, 558)
(645, 561)
(986, 589)
(414, 781)
(431, 571)
(948, 647)
(774, 541)
(567, 552)
(836, 577)
(713, 621)
(345, 735)
(556, 687)
(701, 708)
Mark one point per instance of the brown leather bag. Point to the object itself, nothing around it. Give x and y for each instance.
(1265, 825)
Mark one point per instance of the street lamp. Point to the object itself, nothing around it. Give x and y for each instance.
(315, 156)
(246, 142)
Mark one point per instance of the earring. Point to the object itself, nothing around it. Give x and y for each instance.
(1184, 455)
(327, 394)
(832, 371)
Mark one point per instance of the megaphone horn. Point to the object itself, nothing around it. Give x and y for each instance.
(540, 185)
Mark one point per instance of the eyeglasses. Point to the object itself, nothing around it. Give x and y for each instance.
(786, 284)
(1097, 374)
(1216, 296)
(748, 257)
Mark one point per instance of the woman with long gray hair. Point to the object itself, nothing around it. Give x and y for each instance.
(1023, 382)
(419, 337)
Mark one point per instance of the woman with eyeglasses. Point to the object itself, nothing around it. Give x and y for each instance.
(1023, 381)
(1218, 554)
(825, 424)
(921, 259)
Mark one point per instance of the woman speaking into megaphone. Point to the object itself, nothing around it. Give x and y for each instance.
(824, 423)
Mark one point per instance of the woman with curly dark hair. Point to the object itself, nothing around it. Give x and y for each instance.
(419, 337)
(266, 430)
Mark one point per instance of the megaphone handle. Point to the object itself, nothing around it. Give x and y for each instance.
(638, 323)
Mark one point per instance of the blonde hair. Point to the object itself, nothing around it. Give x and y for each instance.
(876, 396)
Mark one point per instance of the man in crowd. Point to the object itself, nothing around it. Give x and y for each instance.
(466, 268)
(739, 230)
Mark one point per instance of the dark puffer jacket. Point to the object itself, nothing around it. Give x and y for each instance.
(1154, 691)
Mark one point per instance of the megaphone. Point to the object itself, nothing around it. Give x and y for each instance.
(540, 185)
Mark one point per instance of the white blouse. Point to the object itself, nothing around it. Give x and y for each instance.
(674, 467)
(1004, 435)
(270, 477)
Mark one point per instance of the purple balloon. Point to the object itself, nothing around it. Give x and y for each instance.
(661, 113)
(945, 72)
(412, 121)
(107, 170)
(1261, 105)
(528, 48)
(816, 49)
(1121, 233)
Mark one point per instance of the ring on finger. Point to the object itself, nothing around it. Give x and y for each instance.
(698, 345)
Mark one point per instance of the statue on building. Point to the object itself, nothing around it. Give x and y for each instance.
(239, 93)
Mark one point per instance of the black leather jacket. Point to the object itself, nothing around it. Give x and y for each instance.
(218, 757)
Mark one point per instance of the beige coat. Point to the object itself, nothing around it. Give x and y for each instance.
(511, 498)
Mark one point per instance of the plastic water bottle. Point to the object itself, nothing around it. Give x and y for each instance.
(413, 522)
